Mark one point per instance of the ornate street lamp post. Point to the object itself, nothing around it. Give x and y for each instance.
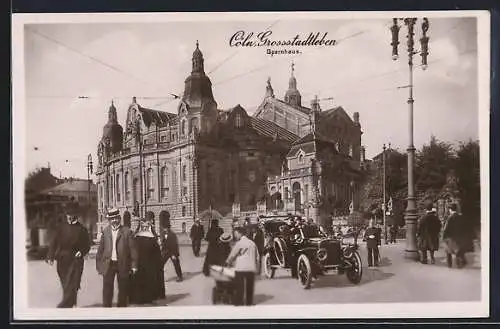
(384, 208)
(411, 209)
(89, 172)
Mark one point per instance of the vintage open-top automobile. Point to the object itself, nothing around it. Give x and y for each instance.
(308, 253)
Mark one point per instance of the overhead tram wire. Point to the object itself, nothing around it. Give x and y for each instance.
(344, 83)
(97, 60)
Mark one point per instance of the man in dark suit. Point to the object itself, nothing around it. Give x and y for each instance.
(68, 247)
(170, 250)
(116, 256)
(373, 240)
(197, 233)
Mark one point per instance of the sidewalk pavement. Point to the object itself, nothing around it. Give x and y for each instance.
(396, 280)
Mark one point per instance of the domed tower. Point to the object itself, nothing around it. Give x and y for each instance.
(113, 131)
(197, 109)
(292, 95)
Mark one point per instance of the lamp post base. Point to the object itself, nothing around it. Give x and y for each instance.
(411, 250)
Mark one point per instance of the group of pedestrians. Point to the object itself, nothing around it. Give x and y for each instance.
(135, 259)
(456, 235)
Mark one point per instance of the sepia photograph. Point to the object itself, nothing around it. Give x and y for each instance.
(251, 165)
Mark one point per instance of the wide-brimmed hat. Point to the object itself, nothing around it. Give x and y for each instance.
(112, 213)
(226, 237)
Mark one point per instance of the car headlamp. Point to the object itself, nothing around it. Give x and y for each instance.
(321, 254)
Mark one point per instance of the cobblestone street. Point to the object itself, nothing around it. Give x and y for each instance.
(396, 280)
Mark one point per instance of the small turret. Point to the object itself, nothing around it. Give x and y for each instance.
(269, 88)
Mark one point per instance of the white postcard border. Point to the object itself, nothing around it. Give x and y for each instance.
(21, 311)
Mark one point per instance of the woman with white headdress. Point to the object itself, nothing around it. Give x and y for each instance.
(147, 284)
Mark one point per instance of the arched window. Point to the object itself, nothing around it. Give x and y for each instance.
(127, 186)
(238, 121)
(150, 183)
(164, 182)
(194, 125)
(301, 158)
(117, 188)
(184, 173)
(183, 127)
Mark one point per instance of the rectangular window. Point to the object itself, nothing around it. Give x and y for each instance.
(150, 183)
(127, 186)
(184, 190)
(118, 187)
(183, 211)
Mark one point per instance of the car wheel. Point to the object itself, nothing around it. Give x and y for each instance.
(268, 269)
(280, 251)
(355, 272)
(304, 271)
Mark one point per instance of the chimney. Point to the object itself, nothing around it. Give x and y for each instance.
(363, 154)
(355, 117)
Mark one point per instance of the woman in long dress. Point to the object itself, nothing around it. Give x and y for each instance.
(147, 284)
(213, 234)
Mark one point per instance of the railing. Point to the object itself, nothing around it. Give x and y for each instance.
(291, 173)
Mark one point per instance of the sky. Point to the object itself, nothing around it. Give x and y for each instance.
(117, 61)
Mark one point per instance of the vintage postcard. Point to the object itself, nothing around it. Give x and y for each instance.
(251, 165)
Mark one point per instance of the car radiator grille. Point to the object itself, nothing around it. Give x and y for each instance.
(334, 252)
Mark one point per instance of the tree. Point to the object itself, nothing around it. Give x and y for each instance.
(432, 164)
(467, 171)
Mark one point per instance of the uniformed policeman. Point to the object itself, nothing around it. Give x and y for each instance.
(372, 237)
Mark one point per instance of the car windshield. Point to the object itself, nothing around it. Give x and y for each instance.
(311, 231)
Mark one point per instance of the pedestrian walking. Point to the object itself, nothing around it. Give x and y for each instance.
(148, 283)
(116, 257)
(457, 237)
(213, 234)
(246, 260)
(429, 227)
(223, 249)
(196, 234)
(393, 232)
(69, 246)
(171, 251)
(373, 240)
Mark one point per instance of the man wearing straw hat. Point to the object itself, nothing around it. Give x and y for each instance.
(116, 256)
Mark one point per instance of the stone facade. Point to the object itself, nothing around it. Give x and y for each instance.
(201, 161)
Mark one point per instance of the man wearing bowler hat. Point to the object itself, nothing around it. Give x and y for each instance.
(116, 256)
(68, 247)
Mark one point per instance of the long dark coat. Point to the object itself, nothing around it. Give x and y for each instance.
(147, 284)
(429, 228)
(458, 234)
(211, 258)
(67, 241)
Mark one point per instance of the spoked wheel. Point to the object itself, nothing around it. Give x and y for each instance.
(355, 273)
(304, 271)
(279, 247)
(268, 269)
